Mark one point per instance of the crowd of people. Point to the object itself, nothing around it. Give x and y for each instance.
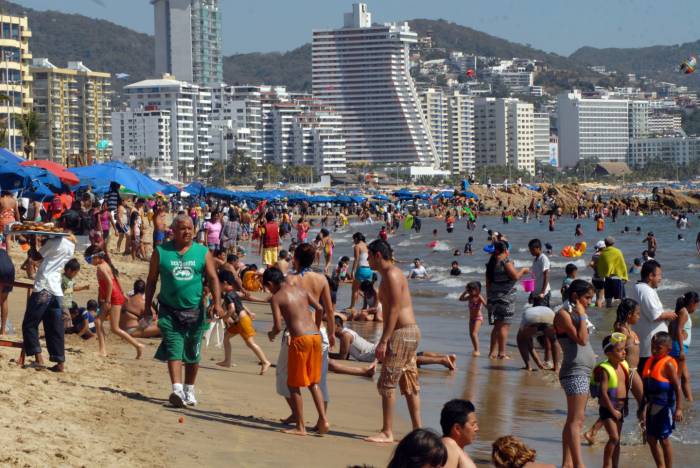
(197, 280)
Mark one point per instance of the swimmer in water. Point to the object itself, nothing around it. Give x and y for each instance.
(548, 248)
(455, 270)
(456, 253)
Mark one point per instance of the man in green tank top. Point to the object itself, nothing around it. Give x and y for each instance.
(181, 265)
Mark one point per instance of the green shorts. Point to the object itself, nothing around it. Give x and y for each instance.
(180, 344)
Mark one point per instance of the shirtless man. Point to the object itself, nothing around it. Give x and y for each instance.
(459, 428)
(282, 263)
(159, 228)
(397, 347)
(135, 320)
(291, 303)
(317, 286)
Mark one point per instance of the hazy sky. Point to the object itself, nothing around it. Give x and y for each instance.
(559, 26)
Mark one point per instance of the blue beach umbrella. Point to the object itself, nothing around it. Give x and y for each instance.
(116, 171)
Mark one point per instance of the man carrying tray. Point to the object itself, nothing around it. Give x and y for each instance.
(45, 302)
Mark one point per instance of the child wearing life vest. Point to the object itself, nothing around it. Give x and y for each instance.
(662, 397)
(610, 383)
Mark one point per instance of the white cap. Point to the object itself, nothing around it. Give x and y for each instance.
(600, 245)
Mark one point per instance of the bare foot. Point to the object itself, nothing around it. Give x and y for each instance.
(448, 363)
(453, 360)
(224, 363)
(103, 353)
(590, 437)
(369, 372)
(295, 431)
(528, 368)
(139, 350)
(476, 353)
(322, 427)
(503, 356)
(492, 356)
(265, 366)
(288, 420)
(381, 438)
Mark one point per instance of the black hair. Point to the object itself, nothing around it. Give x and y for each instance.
(225, 276)
(691, 297)
(662, 337)
(325, 232)
(578, 287)
(382, 247)
(72, 265)
(606, 342)
(305, 255)
(218, 252)
(535, 244)
(139, 286)
(648, 268)
(269, 216)
(339, 322)
(358, 237)
(97, 250)
(273, 276)
(570, 268)
(91, 304)
(471, 239)
(344, 259)
(474, 285)
(498, 248)
(624, 310)
(455, 412)
(419, 447)
(637, 261)
(73, 306)
(284, 255)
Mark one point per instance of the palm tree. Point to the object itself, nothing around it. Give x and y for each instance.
(29, 128)
(143, 164)
(183, 170)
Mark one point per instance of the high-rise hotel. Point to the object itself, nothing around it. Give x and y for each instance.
(362, 72)
(188, 40)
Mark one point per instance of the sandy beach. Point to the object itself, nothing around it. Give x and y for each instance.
(114, 412)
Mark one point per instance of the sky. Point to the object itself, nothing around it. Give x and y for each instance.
(560, 26)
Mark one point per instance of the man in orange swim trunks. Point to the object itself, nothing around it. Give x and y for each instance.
(291, 303)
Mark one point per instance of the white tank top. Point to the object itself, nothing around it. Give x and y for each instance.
(364, 259)
(360, 349)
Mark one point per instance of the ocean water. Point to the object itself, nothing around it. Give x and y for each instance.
(509, 400)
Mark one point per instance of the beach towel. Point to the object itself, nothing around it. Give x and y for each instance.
(612, 263)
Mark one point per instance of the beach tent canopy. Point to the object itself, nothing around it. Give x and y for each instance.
(54, 168)
(116, 171)
(168, 188)
(196, 189)
(16, 177)
(7, 155)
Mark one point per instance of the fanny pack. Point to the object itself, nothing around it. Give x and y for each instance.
(184, 318)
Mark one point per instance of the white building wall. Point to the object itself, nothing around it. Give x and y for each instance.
(592, 128)
(143, 135)
(362, 72)
(542, 124)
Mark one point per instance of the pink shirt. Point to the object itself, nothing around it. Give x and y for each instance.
(213, 232)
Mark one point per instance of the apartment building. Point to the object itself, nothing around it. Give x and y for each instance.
(142, 137)
(73, 106)
(362, 71)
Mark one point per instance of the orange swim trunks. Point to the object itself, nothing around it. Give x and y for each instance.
(399, 366)
(244, 327)
(304, 356)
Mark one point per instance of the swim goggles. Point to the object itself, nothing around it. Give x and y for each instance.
(89, 258)
(615, 338)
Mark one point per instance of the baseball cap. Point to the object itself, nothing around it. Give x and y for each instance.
(610, 240)
(600, 245)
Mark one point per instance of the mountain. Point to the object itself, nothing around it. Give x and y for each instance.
(659, 62)
(100, 45)
(453, 36)
(292, 69)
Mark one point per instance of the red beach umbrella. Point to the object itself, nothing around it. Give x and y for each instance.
(56, 169)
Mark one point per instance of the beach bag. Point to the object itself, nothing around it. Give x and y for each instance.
(183, 318)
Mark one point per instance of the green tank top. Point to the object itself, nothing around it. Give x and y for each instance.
(181, 275)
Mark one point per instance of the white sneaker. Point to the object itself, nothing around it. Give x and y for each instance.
(190, 400)
(177, 399)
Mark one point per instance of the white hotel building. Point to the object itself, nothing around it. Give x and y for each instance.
(190, 125)
(145, 135)
(504, 133)
(362, 72)
(592, 128)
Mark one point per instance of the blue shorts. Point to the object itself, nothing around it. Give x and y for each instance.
(660, 422)
(364, 273)
(676, 349)
(159, 236)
